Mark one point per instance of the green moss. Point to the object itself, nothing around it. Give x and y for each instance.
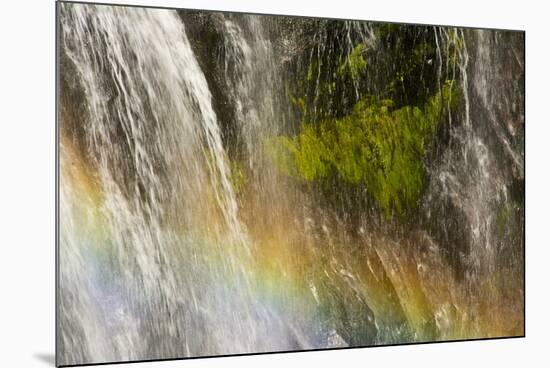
(310, 71)
(375, 145)
(507, 221)
(354, 64)
(237, 176)
(299, 102)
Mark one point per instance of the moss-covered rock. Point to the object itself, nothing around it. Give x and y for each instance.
(376, 145)
(354, 64)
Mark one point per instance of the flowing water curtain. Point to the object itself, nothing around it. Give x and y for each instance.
(155, 151)
(475, 196)
(470, 175)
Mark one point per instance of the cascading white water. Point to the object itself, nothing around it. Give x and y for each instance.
(144, 85)
(249, 68)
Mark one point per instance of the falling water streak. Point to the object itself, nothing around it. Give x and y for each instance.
(249, 68)
(483, 90)
(439, 56)
(463, 65)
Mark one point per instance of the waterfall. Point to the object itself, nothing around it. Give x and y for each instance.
(159, 168)
(180, 236)
(249, 70)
